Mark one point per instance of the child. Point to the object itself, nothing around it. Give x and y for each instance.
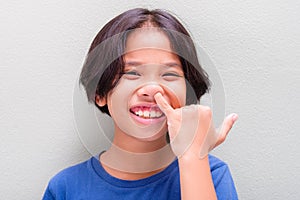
(142, 70)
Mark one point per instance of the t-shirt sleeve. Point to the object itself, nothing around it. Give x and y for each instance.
(222, 180)
(48, 194)
(56, 189)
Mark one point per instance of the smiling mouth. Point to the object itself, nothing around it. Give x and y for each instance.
(147, 112)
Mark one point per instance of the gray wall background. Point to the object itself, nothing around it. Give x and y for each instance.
(255, 46)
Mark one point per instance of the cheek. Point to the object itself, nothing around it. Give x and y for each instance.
(182, 91)
(120, 94)
(177, 92)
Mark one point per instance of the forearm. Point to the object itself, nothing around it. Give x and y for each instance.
(195, 178)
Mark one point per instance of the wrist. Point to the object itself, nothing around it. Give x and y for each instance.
(191, 157)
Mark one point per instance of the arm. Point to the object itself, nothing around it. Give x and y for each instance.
(195, 179)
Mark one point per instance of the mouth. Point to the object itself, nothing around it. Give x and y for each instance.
(147, 112)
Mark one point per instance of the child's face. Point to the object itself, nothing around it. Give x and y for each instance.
(150, 67)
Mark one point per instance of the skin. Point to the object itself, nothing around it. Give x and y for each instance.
(154, 78)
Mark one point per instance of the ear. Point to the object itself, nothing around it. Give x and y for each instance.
(100, 101)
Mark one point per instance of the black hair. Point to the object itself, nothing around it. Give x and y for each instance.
(100, 75)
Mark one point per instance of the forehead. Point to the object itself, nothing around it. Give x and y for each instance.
(149, 45)
(147, 38)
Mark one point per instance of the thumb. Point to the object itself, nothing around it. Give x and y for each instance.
(226, 127)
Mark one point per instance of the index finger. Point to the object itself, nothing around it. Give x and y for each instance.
(163, 104)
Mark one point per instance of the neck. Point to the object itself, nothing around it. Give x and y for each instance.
(132, 166)
(132, 158)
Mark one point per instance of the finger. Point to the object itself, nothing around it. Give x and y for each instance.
(165, 107)
(226, 127)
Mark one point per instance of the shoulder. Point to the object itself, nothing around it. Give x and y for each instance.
(222, 179)
(216, 163)
(65, 179)
(219, 170)
(72, 172)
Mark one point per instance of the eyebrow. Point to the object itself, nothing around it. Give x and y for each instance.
(132, 63)
(167, 64)
(172, 64)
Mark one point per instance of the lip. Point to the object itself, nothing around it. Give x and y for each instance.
(146, 121)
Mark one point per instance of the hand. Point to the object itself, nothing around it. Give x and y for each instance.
(191, 128)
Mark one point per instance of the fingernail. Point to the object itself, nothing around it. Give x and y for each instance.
(234, 117)
(158, 93)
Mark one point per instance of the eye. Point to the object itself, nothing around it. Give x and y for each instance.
(131, 75)
(171, 74)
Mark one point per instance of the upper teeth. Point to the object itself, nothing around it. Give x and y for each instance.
(148, 114)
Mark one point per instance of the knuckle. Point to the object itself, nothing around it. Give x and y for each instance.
(205, 110)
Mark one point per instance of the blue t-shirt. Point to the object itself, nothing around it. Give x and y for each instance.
(88, 180)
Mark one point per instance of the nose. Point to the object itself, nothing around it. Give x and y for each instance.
(149, 90)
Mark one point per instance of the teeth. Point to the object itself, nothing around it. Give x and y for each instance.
(158, 114)
(152, 113)
(140, 113)
(148, 114)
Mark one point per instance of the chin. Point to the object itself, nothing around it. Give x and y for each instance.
(155, 137)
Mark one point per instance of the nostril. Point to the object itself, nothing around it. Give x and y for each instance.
(149, 90)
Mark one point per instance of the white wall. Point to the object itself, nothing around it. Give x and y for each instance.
(255, 46)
